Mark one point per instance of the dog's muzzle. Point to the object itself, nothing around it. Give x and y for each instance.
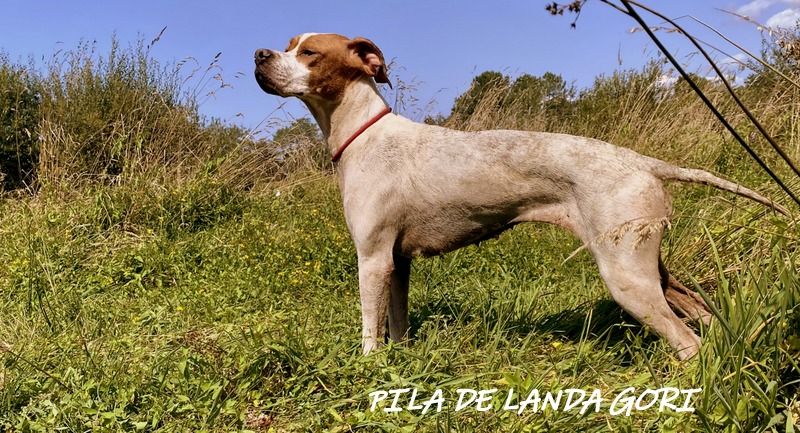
(262, 58)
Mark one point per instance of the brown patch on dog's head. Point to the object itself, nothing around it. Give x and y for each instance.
(329, 62)
(334, 61)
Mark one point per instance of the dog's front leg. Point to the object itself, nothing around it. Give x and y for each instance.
(374, 281)
(398, 307)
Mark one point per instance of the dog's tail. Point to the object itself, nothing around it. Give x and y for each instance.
(666, 171)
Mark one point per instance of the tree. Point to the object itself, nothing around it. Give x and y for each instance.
(301, 128)
(482, 85)
(549, 94)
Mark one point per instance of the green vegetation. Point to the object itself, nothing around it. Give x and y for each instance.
(162, 272)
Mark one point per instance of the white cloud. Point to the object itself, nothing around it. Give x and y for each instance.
(736, 59)
(742, 57)
(754, 8)
(666, 81)
(665, 86)
(786, 19)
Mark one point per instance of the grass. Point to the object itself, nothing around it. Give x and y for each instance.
(256, 313)
(221, 294)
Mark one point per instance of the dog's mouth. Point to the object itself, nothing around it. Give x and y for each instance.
(265, 83)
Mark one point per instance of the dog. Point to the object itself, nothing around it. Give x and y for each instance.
(411, 189)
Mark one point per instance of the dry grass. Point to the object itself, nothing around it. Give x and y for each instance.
(164, 272)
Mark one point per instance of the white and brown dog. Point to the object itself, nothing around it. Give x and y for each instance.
(411, 189)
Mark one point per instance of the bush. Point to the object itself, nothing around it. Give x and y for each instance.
(119, 115)
(170, 273)
(113, 119)
(20, 97)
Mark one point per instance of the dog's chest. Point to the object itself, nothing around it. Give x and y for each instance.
(431, 237)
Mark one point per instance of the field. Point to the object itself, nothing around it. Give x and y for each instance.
(165, 273)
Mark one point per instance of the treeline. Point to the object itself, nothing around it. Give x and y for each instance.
(88, 118)
(649, 109)
(549, 100)
(110, 119)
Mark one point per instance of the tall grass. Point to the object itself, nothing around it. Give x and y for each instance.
(19, 118)
(744, 263)
(166, 272)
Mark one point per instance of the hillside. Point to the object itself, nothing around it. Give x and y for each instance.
(166, 272)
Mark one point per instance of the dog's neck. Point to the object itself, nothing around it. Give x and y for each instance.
(338, 121)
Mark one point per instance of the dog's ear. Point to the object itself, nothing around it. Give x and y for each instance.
(371, 59)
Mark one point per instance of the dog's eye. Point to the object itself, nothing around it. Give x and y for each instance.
(308, 53)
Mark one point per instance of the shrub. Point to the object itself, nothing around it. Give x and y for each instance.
(20, 99)
(117, 115)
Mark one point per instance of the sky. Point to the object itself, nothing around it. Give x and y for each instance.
(436, 46)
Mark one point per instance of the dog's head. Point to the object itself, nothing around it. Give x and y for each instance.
(318, 66)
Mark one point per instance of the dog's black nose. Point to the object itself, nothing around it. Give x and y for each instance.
(263, 54)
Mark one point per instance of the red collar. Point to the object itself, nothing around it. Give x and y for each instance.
(360, 131)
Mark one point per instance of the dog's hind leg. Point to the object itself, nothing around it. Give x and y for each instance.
(630, 270)
(398, 305)
(683, 301)
(625, 229)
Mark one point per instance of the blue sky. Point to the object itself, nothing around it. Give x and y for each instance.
(439, 45)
